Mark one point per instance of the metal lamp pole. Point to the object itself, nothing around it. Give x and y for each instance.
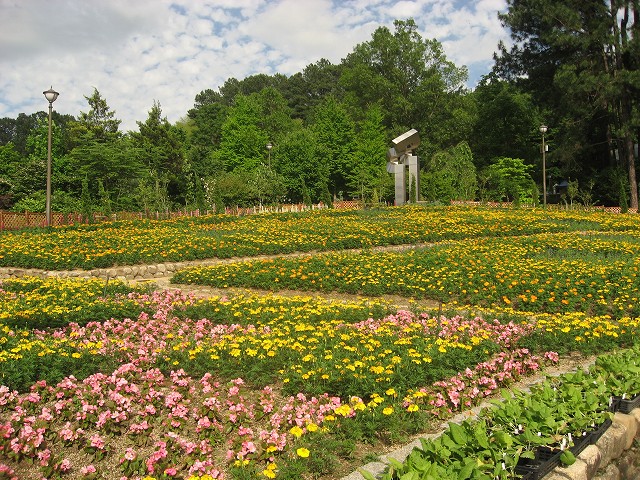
(543, 130)
(51, 96)
(269, 147)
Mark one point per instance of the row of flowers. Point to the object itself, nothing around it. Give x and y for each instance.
(343, 348)
(593, 273)
(189, 238)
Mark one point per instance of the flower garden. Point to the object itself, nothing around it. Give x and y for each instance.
(115, 381)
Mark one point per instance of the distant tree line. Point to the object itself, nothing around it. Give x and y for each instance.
(573, 66)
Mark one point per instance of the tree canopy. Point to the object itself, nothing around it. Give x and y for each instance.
(572, 65)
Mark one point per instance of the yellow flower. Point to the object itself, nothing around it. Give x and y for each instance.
(344, 410)
(388, 410)
(296, 431)
(270, 471)
(302, 452)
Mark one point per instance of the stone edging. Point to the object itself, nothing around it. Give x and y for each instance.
(124, 273)
(596, 462)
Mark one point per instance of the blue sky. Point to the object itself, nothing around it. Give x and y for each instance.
(138, 51)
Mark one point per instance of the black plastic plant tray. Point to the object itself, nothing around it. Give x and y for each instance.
(580, 443)
(626, 405)
(536, 469)
(548, 454)
(525, 476)
(599, 431)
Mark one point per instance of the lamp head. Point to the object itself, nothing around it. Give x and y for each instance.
(543, 129)
(51, 95)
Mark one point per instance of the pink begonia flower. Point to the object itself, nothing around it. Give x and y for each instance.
(44, 457)
(130, 454)
(65, 465)
(88, 469)
(97, 441)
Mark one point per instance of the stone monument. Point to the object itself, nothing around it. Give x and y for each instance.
(399, 158)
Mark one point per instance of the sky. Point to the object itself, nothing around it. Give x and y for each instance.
(136, 52)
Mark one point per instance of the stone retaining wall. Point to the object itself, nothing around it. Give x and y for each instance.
(128, 273)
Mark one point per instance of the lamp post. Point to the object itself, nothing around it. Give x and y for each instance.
(269, 147)
(543, 130)
(51, 96)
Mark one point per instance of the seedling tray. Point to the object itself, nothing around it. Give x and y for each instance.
(626, 405)
(599, 431)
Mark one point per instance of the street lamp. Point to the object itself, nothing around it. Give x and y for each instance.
(269, 147)
(543, 130)
(51, 96)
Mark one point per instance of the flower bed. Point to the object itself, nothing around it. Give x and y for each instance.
(153, 415)
(169, 386)
(594, 274)
(132, 242)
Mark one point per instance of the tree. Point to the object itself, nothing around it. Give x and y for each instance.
(97, 125)
(266, 186)
(305, 90)
(415, 83)
(304, 176)
(368, 179)
(510, 180)
(9, 161)
(251, 123)
(450, 175)
(335, 136)
(506, 118)
(28, 176)
(580, 58)
(159, 146)
(115, 164)
(242, 146)
(101, 153)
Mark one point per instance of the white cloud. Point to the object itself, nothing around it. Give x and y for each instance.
(138, 51)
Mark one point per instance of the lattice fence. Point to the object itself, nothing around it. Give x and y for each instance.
(22, 220)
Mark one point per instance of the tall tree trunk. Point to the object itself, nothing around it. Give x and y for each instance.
(625, 113)
(633, 182)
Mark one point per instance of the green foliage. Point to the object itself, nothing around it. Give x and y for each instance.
(331, 124)
(159, 147)
(506, 117)
(450, 175)
(97, 125)
(408, 75)
(335, 138)
(368, 178)
(588, 95)
(510, 179)
(86, 206)
(105, 200)
(34, 202)
(304, 176)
